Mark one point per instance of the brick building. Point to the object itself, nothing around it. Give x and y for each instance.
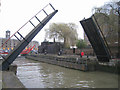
(9, 45)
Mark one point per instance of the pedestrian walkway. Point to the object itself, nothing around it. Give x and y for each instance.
(9, 80)
(27, 39)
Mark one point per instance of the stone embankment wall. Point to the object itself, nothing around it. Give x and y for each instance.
(10, 80)
(74, 62)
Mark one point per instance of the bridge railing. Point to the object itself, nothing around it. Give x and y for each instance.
(29, 25)
(28, 38)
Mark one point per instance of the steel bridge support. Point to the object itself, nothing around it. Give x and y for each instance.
(19, 48)
(97, 41)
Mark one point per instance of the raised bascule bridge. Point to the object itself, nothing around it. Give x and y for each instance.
(89, 25)
(24, 41)
(100, 46)
(91, 29)
(97, 39)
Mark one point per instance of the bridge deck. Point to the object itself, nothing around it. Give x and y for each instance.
(26, 40)
(96, 39)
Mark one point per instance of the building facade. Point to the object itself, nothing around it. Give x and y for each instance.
(50, 47)
(6, 44)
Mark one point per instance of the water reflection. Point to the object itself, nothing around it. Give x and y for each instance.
(34, 74)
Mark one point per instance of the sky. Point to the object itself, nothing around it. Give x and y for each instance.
(15, 13)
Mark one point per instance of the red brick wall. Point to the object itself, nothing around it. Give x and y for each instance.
(77, 51)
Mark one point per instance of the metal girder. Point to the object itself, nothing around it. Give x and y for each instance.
(18, 49)
(96, 40)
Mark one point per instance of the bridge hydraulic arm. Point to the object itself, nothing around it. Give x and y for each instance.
(19, 48)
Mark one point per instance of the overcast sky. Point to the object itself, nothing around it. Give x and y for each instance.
(14, 13)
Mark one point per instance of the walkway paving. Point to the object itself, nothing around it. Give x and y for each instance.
(0, 80)
(9, 80)
(0, 76)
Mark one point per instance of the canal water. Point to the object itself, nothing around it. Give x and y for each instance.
(34, 74)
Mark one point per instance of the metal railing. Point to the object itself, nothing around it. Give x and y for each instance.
(29, 21)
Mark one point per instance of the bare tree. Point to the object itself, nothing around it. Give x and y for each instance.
(62, 31)
(107, 17)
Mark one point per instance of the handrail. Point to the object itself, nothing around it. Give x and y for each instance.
(26, 23)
